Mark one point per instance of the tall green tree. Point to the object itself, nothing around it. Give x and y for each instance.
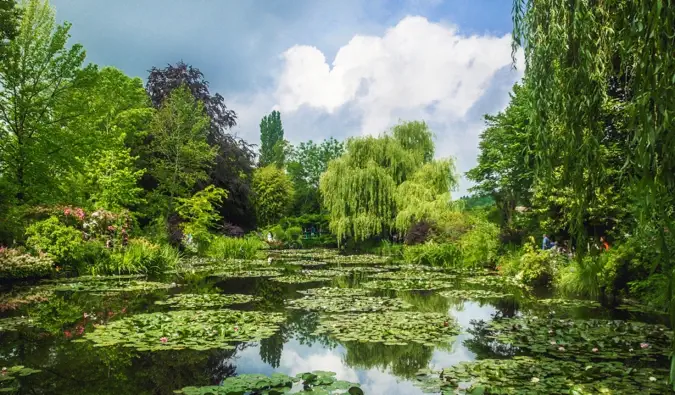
(9, 22)
(305, 165)
(272, 145)
(360, 189)
(272, 194)
(505, 169)
(181, 154)
(37, 72)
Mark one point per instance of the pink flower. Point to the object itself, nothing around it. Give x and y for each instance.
(67, 334)
(110, 314)
(111, 228)
(80, 330)
(644, 345)
(594, 350)
(124, 310)
(163, 340)
(236, 328)
(85, 315)
(67, 211)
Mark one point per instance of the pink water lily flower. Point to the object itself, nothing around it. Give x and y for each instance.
(644, 345)
(595, 350)
(163, 340)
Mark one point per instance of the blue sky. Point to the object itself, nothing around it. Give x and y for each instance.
(446, 62)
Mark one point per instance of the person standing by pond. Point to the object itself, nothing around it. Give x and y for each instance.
(547, 244)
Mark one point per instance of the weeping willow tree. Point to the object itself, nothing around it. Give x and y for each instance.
(386, 182)
(588, 60)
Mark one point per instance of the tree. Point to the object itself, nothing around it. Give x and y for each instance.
(505, 169)
(9, 22)
(37, 71)
(306, 164)
(181, 155)
(272, 143)
(360, 188)
(272, 194)
(233, 166)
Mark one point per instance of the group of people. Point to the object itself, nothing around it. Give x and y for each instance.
(547, 244)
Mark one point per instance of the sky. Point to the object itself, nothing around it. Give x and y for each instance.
(333, 68)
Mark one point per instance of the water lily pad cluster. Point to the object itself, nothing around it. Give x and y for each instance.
(346, 304)
(494, 281)
(474, 294)
(248, 273)
(573, 303)
(391, 328)
(113, 286)
(187, 329)
(14, 323)
(364, 259)
(525, 375)
(408, 284)
(199, 301)
(8, 376)
(311, 254)
(300, 278)
(413, 275)
(583, 339)
(361, 269)
(335, 292)
(25, 296)
(317, 382)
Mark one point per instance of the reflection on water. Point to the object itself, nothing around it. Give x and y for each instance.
(79, 368)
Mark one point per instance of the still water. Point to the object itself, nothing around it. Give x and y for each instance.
(51, 336)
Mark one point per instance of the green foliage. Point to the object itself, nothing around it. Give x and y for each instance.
(347, 304)
(532, 265)
(359, 189)
(305, 165)
(200, 215)
(272, 194)
(38, 73)
(61, 242)
(15, 264)
(181, 154)
(272, 146)
(234, 247)
(433, 254)
(202, 301)
(141, 256)
(480, 244)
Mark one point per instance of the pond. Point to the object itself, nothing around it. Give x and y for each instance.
(361, 324)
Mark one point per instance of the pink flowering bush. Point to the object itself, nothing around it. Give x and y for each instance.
(16, 264)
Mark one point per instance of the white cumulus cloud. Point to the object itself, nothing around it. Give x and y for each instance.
(416, 70)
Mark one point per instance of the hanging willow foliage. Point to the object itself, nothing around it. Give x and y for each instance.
(362, 189)
(583, 56)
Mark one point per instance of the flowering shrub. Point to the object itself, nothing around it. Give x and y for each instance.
(15, 264)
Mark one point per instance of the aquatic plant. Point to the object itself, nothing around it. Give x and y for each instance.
(407, 284)
(189, 329)
(344, 304)
(390, 327)
(197, 301)
(474, 294)
(317, 382)
(525, 375)
(8, 377)
(112, 286)
(335, 292)
(299, 279)
(414, 275)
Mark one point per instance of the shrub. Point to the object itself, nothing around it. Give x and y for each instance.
(531, 265)
(15, 264)
(60, 241)
(418, 233)
(141, 256)
(433, 254)
(232, 230)
(480, 244)
(234, 248)
(200, 214)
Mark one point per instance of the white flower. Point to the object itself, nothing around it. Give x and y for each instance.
(652, 378)
(535, 379)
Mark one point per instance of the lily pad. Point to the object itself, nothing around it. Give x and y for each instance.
(407, 284)
(317, 382)
(525, 375)
(197, 330)
(390, 327)
(569, 303)
(198, 301)
(299, 279)
(583, 339)
(494, 281)
(112, 286)
(336, 292)
(14, 323)
(364, 259)
(248, 273)
(9, 375)
(345, 304)
(413, 275)
(474, 294)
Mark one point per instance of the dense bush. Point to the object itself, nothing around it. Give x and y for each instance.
(15, 264)
(418, 233)
(531, 265)
(433, 254)
(234, 247)
(63, 243)
(480, 244)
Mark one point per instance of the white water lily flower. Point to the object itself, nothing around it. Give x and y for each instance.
(535, 379)
(652, 378)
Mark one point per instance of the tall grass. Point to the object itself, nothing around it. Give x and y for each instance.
(140, 256)
(234, 247)
(433, 254)
(581, 278)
